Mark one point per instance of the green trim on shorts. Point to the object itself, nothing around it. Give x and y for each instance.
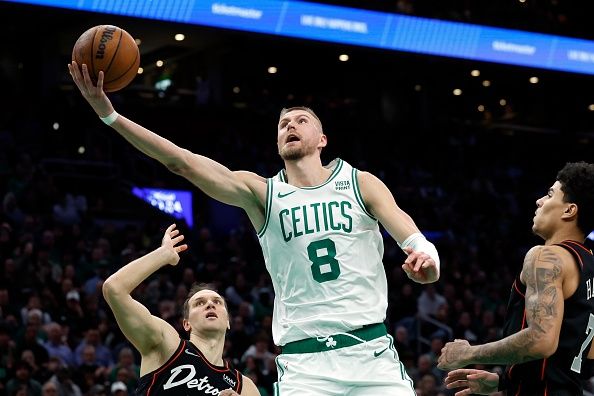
(279, 368)
(403, 372)
(337, 341)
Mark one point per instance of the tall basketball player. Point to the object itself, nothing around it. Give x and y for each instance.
(550, 316)
(318, 228)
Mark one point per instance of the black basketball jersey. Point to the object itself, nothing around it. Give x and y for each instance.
(559, 374)
(188, 372)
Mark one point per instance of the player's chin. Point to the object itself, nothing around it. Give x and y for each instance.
(291, 153)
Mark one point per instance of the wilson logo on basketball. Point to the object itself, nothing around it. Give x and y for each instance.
(105, 37)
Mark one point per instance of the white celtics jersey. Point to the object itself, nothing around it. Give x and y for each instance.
(324, 252)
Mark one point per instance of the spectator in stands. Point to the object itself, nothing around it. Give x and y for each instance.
(29, 340)
(118, 388)
(90, 371)
(260, 351)
(63, 380)
(429, 301)
(49, 388)
(72, 315)
(23, 379)
(126, 361)
(38, 373)
(101, 353)
(56, 344)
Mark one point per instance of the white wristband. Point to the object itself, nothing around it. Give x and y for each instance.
(110, 119)
(418, 242)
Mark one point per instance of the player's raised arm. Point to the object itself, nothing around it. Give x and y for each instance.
(422, 263)
(243, 189)
(146, 332)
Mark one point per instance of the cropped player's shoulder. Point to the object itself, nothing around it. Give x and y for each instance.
(548, 254)
(364, 178)
(548, 249)
(249, 388)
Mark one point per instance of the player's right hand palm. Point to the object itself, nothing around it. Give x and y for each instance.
(171, 242)
(473, 381)
(94, 94)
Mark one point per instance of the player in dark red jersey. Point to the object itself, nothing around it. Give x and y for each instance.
(550, 318)
(171, 365)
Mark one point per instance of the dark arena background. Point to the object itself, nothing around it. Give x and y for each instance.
(466, 146)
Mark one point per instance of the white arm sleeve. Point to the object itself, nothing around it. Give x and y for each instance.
(418, 242)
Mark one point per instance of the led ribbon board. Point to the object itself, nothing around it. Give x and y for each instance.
(176, 203)
(358, 27)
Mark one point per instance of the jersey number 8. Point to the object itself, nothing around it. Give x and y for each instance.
(322, 254)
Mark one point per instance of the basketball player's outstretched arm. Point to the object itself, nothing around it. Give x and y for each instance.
(151, 335)
(422, 263)
(543, 272)
(243, 189)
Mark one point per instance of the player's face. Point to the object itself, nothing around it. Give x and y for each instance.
(207, 312)
(299, 135)
(549, 211)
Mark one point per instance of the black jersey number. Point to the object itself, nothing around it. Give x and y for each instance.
(577, 361)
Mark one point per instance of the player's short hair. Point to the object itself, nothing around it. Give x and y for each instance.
(197, 287)
(286, 110)
(577, 184)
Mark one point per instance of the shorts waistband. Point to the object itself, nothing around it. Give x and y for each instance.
(336, 341)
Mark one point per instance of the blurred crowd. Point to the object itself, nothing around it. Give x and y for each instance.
(63, 233)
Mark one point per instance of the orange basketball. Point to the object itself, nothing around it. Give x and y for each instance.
(111, 49)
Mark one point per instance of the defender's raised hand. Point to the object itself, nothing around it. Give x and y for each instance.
(171, 241)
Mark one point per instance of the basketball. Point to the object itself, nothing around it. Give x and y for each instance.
(111, 49)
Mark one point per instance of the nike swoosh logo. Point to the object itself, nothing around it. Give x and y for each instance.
(281, 195)
(191, 353)
(376, 354)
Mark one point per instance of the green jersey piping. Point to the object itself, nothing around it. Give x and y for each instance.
(358, 195)
(268, 208)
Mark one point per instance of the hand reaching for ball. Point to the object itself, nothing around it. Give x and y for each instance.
(92, 93)
(105, 58)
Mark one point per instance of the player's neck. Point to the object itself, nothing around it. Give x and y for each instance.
(211, 347)
(306, 172)
(564, 235)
